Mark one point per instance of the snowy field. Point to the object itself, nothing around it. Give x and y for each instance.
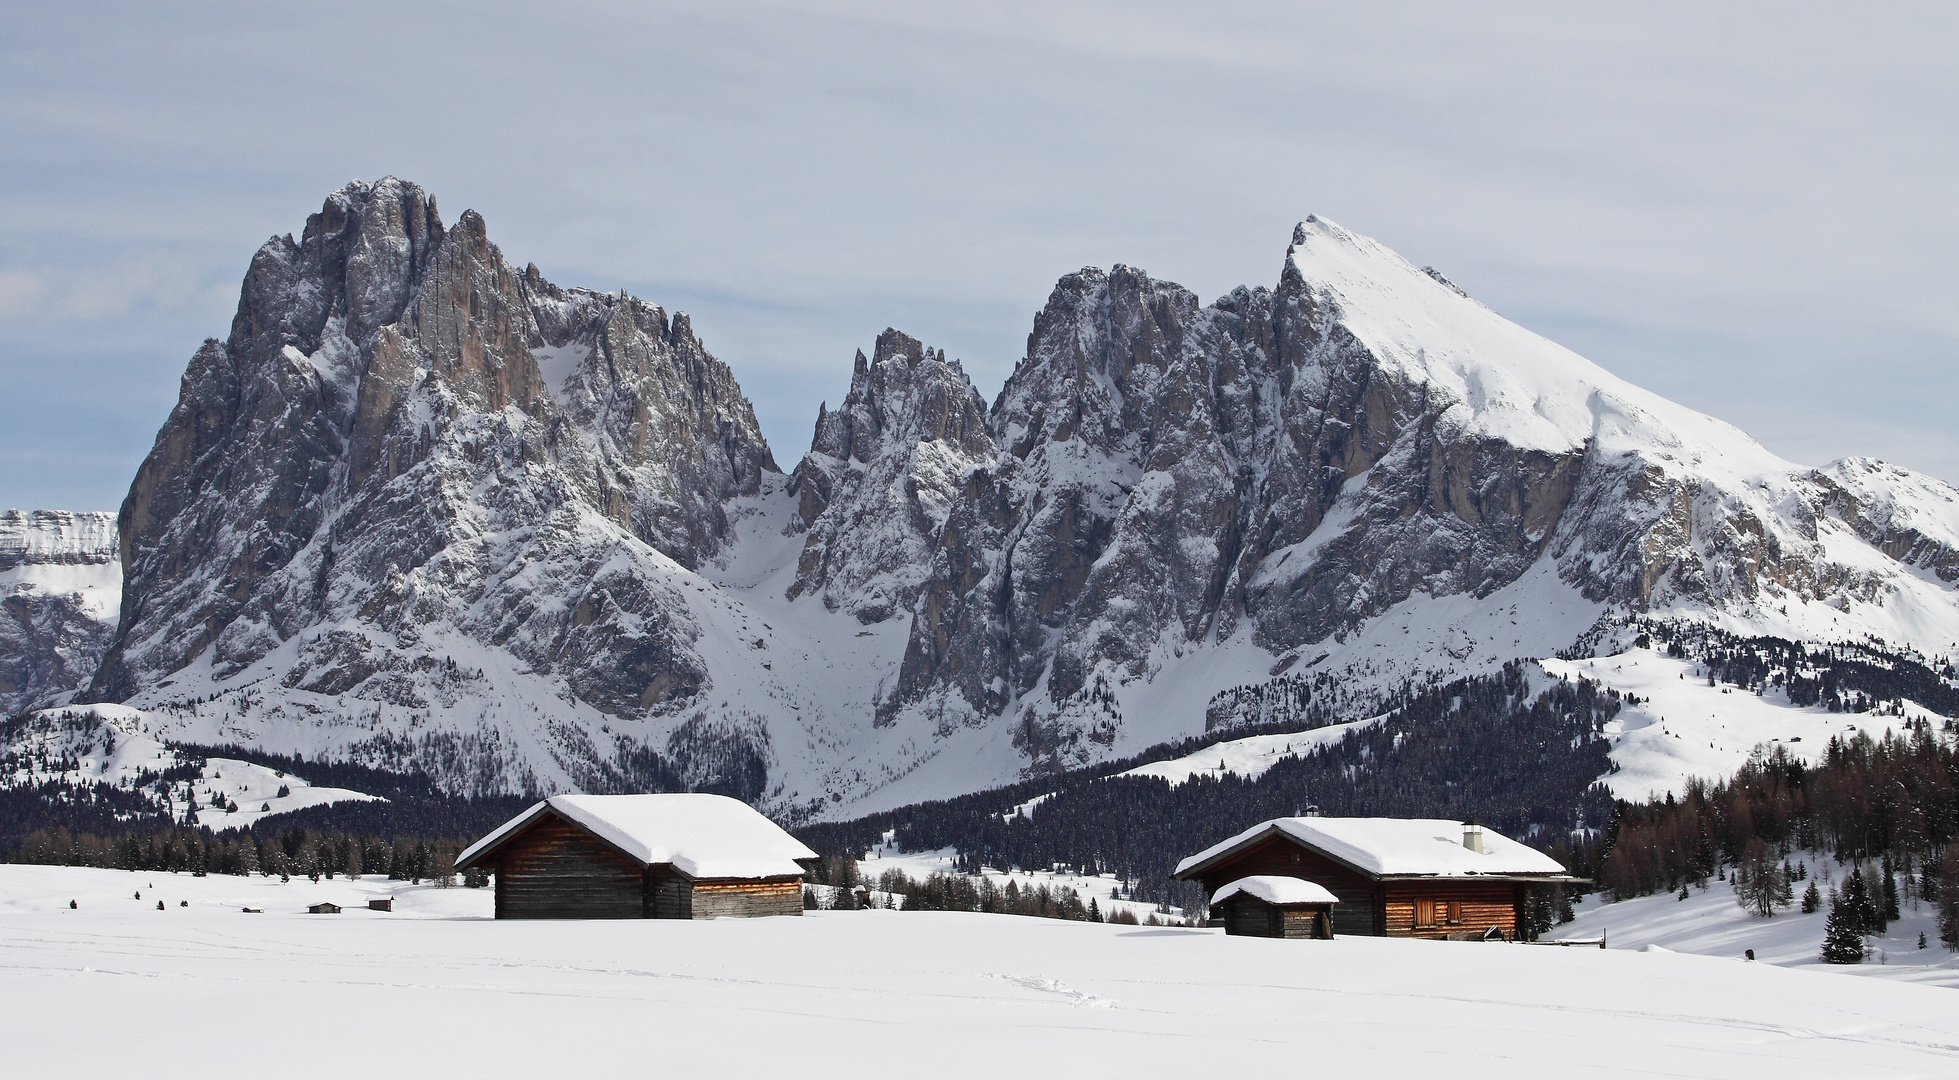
(919, 865)
(1709, 923)
(117, 988)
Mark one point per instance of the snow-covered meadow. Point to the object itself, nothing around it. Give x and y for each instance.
(116, 987)
(1710, 923)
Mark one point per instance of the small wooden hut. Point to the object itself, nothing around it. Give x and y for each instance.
(1392, 877)
(641, 857)
(324, 909)
(1265, 905)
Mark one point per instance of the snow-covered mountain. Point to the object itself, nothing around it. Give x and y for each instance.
(60, 586)
(422, 508)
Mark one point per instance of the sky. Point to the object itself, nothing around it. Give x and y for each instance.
(1745, 207)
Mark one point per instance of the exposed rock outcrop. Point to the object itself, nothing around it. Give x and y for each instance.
(59, 586)
(882, 473)
(408, 448)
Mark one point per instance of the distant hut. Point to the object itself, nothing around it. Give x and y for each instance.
(1265, 905)
(1392, 877)
(641, 857)
(324, 909)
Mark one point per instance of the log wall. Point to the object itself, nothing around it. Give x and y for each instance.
(554, 870)
(1483, 904)
(1248, 916)
(1305, 923)
(747, 899)
(668, 895)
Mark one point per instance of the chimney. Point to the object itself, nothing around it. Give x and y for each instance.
(1472, 837)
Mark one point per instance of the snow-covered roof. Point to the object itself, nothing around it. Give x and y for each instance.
(1384, 847)
(1276, 890)
(702, 836)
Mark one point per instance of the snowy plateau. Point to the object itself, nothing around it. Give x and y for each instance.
(436, 985)
(424, 509)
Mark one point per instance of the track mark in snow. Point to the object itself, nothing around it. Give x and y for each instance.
(1056, 986)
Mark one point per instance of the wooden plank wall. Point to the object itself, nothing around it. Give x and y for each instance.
(1356, 913)
(1301, 923)
(553, 870)
(668, 895)
(1248, 918)
(1484, 904)
(748, 899)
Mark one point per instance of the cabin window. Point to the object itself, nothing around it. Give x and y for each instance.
(1424, 913)
(1454, 913)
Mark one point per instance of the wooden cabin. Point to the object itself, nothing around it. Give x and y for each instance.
(324, 909)
(1274, 906)
(641, 857)
(1391, 877)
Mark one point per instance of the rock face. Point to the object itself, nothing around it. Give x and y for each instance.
(423, 508)
(882, 473)
(59, 586)
(408, 451)
(1290, 467)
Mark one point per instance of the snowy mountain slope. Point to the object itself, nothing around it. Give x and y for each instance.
(111, 744)
(1361, 472)
(60, 587)
(1682, 727)
(1710, 923)
(425, 510)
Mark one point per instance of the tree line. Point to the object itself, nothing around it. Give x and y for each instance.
(285, 852)
(1504, 749)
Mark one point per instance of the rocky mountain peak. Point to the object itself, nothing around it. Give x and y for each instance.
(883, 471)
(401, 439)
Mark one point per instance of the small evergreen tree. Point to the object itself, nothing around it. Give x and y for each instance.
(1890, 893)
(1842, 944)
(1859, 908)
(1812, 900)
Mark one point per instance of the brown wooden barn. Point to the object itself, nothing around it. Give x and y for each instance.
(641, 857)
(1274, 906)
(1392, 877)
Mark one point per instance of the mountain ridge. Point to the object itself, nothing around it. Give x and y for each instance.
(424, 509)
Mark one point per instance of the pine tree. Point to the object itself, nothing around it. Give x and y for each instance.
(1858, 907)
(1842, 944)
(1812, 900)
(1890, 893)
